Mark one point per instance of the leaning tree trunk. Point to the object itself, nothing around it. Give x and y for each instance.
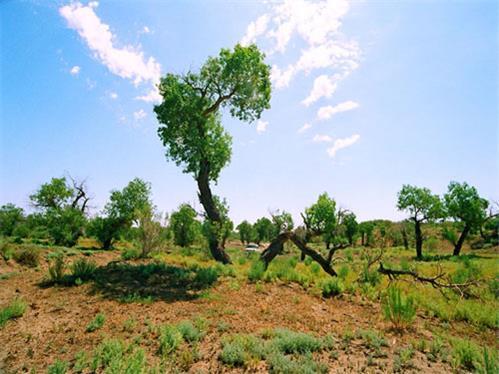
(216, 245)
(460, 242)
(419, 240)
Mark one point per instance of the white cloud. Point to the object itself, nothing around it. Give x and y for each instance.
(255, 29)
(304, 128)
(113, 95)
(342, 143)
(318, 24)
(140, 114)
(146, 30)
(93, 4)
(126, 62)
(322, 139)
(261, 126)
(75, 70)
(153, 96)
(323, 87)
(327, 112)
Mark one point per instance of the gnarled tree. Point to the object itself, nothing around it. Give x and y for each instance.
(190, 121)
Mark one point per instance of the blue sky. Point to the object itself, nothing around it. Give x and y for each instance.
(366, 96)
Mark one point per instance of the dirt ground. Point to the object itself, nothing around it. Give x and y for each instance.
(54, 324)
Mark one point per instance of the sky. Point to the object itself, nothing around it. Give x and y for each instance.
(366, 96)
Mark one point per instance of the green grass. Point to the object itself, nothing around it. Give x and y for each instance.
(398, 308)
(97, 323)
(14, 309)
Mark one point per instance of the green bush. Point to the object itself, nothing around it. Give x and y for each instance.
(398, 309)
(169, 339)
(57, 267)
(239, 350)
(189, 332)
(282, 364)
(290, 342)
(206, 276)
(130, 254)
(58, 367)
(15, 309)
(28, 256)
(332, 287)
(343, 272)
(490, 364)
(256, 271)
(96, 323)
(83, 269)
(5, 250)
(466, 354)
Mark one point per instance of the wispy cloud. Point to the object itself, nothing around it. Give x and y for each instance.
(113, 95)
(327, 112)
(126, 62)
(140, 114)
(324, 86)
(75, 70)
(322, 139)
(255, 29)
(304, 128)
(341, 144)
(261, 126)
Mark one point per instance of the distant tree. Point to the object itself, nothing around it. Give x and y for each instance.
(246, 232)
(422, 206)
(321, 219)
(464, 205)
(10, 217)
(121, 212)
(184, 225)
(62, 209)
(264, 230)
(220, 230)
(366, 230)
(281, 221)
(190, 120)
(351, 227)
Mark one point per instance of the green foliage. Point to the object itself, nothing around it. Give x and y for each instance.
(246, 232)
(96, 323)
(282, 364)
(65, 225)
(463, 203)
(466, 354)
(83, 269)
(10, 218)
(240, 350)
(351, 226)
(206, 276)
(169, 339)
(421, 204)
(398, 309)
(28, 256)
(113, 356)
(290, 342)
(14, 309)
(264, 230)
(149, 232)
(52, 195)
(58, 367)
(256, 271)
(332, 287)
(184, 225)
(281, 221)
(189, 332)
(190, 126)
(130, 254)
(490, 361)
(57, 267)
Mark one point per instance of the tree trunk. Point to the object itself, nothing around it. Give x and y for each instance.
(419, 239)
(404, 238)
(362, 239)
(206, 198)
(462, 238)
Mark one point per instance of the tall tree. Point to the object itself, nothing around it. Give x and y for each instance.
(11, 216)
(464, 205)
(422, 206)
(190, 120)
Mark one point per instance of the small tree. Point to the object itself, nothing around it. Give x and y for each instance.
(351, 227)
(422, 206)
(184, 225)
(366, 230)
(246, 232)
(464, 205)
(190, 120)
(321, 219)
(121, 211)
(149, 230)
(264, 230)
(281, 221)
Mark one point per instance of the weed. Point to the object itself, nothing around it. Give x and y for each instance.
(28, 256)
(239, 350)
(15, 309)
(83, 269)
(490, 362)
(189, 332)
(130, 254)
(287, 341)
(58, 367)
(466, 354)
(57, 267)
(96, 323)
(256, 271)
(206, 276)
(332, 287)
(282, 364)
(129, 325)
(169, 340)
(343, 272)
(398, 309)
(223, 326)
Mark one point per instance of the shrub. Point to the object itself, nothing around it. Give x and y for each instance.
(256, 271)
(332, 287)
(490, 365)
(343, 272)
(189, 332)
(109, 353)
(130, 254)
(5, 250)
(287, 341)
(279, 363)
(29, 256)
(466, 354)
(57, 267)
(83, 269)
(96, 323)
(206, 276)
(169, 339)
(315, 268)
(15, 309)
(58, 367)
(398, 309)
(238, 350)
